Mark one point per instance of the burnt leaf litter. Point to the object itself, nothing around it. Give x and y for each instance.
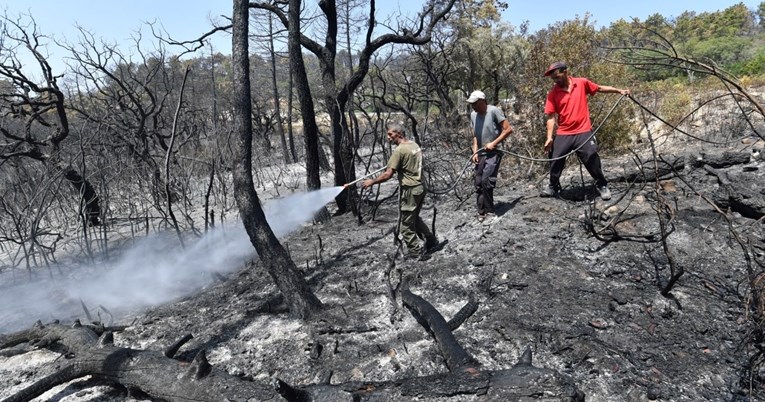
(575, 280)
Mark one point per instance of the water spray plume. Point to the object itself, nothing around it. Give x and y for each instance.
(290, 212)
(154, 270)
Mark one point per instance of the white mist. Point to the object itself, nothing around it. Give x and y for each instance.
(153, 271)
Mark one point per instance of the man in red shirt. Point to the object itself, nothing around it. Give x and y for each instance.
(567, 107)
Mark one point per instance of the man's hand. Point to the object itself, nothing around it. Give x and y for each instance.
(366, 183)
(548, 145)
(490, 146)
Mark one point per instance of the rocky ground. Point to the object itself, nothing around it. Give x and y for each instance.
(587, 307)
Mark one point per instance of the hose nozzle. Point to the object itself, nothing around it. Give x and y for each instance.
(363, 177)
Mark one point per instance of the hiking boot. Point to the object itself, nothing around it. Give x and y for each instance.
(549, 191)
(419, 255)
(605, 193)
(431, 242)
(433, 245)
(481, 217)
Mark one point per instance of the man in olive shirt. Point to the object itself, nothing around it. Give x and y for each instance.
(406, 162)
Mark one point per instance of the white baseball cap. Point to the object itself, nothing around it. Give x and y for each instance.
(475, 96)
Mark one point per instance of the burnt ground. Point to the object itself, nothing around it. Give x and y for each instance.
(588, 308)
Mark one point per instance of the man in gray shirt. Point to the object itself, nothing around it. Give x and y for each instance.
(490, 128)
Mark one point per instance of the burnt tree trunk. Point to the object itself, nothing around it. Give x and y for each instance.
(646, 171)
(307, 111)
(275, 90)
(301, 301)
(90, 199)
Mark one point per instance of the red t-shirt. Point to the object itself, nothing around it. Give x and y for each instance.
(571, 107)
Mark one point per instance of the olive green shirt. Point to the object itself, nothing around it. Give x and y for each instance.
(407, 162)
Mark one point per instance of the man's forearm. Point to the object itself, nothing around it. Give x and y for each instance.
(613, 90)
(550, 128)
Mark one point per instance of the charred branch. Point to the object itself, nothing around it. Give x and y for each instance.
(608, 228)
(456, 357)
(722, 160)
(173, 349)
(465, 312)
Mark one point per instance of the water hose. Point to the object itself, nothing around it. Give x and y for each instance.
(610, 112)
(365, 176)
(481, 151)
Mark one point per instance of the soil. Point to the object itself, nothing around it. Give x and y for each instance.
(588, 308)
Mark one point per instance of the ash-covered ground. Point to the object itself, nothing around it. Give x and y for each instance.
(588, 308)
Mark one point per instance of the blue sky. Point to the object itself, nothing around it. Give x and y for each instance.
(603, 12)
(117, 21)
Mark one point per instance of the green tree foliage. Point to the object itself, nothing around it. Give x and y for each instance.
(727, 38)
(486, 48)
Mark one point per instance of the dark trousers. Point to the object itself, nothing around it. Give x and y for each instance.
(485, 180)
(588, 154)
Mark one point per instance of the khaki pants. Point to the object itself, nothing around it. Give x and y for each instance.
(412, 227)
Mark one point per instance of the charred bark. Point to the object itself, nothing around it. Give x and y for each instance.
(298, 296)
(722, 160)
(150, 372)
(456, 357)
(90, 200)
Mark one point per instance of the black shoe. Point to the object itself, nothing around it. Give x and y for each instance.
(549, 191)
(434, 245)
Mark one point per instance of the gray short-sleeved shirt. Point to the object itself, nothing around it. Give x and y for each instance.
(487, 127)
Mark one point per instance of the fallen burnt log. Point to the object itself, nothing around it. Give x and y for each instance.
(669, 165)
(150, 372)
(522, 382)
(90, 352)
(645, 171)
(723, 159)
